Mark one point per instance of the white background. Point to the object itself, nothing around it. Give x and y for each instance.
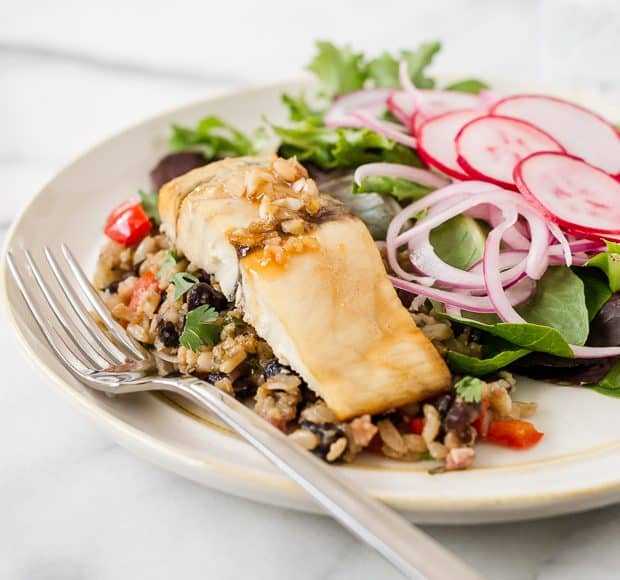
(75, 506)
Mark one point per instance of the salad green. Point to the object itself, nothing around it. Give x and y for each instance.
(567, 302)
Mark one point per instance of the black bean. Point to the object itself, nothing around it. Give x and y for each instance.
(203, 293)
(273, 368)
(173, 165)
(443, 403)
(459, 417)
(244, 387)
(167, 333)
(214, 377)
(113, 287)
(406, 298)
(327, 433)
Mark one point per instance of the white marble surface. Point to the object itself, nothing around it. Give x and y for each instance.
(75, 506)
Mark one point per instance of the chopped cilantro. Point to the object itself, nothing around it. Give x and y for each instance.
(148, 201)
(170, 261)
(469, 389)
(199, 328)
(182, 281)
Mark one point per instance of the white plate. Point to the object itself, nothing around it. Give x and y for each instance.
(575, 467)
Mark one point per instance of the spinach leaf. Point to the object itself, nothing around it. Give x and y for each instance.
(605, 328)
(596, 289)
(556, 316)
(401, 189)
(149, 201)
(466, 364)
(199, 328)
(526, 335)
(609, 262)
(330, 147)
(459, 241)
(559, 302)
(473, 86)
(339, 69)
(215, 138)
(610, 384)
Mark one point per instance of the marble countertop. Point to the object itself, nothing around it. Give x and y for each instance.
(73, 505)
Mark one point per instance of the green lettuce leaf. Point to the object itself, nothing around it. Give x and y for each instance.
(300, 110)
(216, 139)
(473, 86)
(418, 60)
(339, 69)
(401, 189)
(383, 70)
(609, 262)
(330, 147)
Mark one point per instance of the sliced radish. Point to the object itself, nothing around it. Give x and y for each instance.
(581, 198)
(402, 106)
(436, 141)
(489, 147)
(432, 103)
(580, 131)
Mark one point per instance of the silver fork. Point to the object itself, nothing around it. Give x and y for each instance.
(60, 298)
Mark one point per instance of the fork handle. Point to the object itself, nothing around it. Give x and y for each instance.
(409, 549)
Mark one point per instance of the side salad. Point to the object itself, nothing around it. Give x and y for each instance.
(499, 213)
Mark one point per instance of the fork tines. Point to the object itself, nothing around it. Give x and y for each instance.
(64, 305)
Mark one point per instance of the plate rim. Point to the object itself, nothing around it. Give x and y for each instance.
(150, 445)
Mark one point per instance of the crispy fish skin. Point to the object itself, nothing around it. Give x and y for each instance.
(331, 313)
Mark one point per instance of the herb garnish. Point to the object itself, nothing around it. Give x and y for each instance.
(199, 328)
(182, 281)
(170, 261)
(469, 389)
(148, 201)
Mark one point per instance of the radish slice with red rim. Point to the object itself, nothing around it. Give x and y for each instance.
(579, 197)
(436, 141)
(402, 106)
(489, 147)
(435, 102)
(580, 131)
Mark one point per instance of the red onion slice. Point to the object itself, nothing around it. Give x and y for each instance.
(386, 128)
(422, 176)
(490, 266)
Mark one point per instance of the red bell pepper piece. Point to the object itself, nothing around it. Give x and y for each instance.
(417, 425)
(127, 224)
(146, 281)
(513, 433)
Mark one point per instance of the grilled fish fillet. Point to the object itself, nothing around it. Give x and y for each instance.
(325, 304)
